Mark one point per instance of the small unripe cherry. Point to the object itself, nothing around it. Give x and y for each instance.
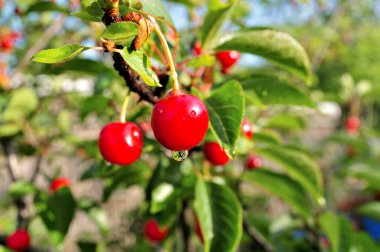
(153, 232)
(352, 124)
(215, 154)
(253, 162)
(246, 128)
(179, 121)
(199, 230)
(19, 240)
(120, 143)
(59, 183)
(227, 59)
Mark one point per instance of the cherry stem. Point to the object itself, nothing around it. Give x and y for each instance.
(124, 108)
(176, 88)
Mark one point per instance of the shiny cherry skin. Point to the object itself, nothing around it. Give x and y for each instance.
(198, 230)
(19, 240)
(120, 143)
(215, 154)
(227, 59)
(59, 183)
(179, 121)
(246, 128)
(352, 124)
(253, 162)
(153, 232)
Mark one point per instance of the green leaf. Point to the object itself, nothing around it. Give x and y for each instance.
(202, 61)
(60, 54)
(42, 6)
(214, 19)
(86, 246)
(9, 129)
(370, 174)
(23, 99)
(226, 108)
(57, 211)
(86, 16)
(21, 188)
(330, 224)
(299, 166)
(286, 121)
(99, 217)
(277, 47)
(139, 62)
(220, 216)
(371, 209)
(362, 242)
(274, 90)
(267, 136)
(157, 8)
(121, 32)
(283, 187)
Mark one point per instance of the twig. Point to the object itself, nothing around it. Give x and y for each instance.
(185, 228)
(36, 168)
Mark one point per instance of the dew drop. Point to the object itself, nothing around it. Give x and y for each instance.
(193, 112)
(180, 155)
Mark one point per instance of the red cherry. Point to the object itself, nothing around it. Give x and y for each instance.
(253, 162)
(153, 232)
(246, 128)
(179, 121)
(215, 154)
(352, 124)
(19, 240)
(120, 143)
(199, 230)
(59, 183)
(227, 59)
(197, 48)
(7, 43)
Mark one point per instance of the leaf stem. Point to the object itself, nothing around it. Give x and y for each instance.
(124, 108)
(176, 88)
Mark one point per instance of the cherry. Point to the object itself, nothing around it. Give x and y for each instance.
(215, 154)
(179, 121)
(120, 143)
(153, 232)
(59, 183)
(19, 240)
(227, 59)
(198, 230)
(253, 162)
(246, 128)
(352, 124)
(197, 48)
(7, 42)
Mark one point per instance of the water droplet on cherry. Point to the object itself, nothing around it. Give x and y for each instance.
(180, 155)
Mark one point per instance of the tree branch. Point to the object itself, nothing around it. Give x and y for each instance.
(186, 233)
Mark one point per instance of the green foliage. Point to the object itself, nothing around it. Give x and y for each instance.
(117, 32)
(220, 216)
(226, 108)
(60, 54)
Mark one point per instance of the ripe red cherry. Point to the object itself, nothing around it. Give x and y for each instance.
(253, 162)
(19, 240)
(215, 154)
(59, 183)
(246, 128)
(227, 59)
(352, 124)
(120, 143)
(153, 232)
(7, 43)
(199, 230)
(197, 48)
(179, 121)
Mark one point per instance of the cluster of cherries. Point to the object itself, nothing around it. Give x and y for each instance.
(227, 59)
(19, 240)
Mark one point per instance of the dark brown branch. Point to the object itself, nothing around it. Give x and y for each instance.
(132, 79)
(36, 168)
